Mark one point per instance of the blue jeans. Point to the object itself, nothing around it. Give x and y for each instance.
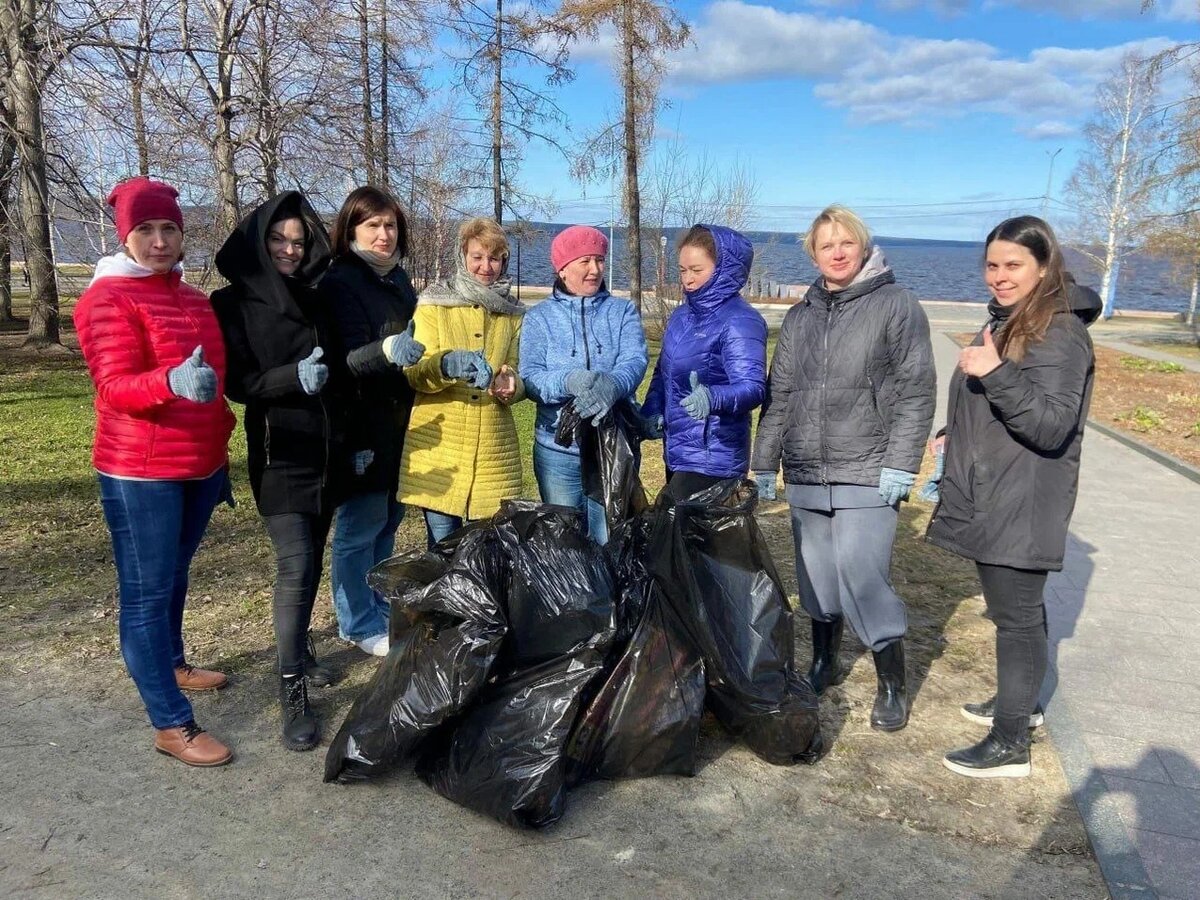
(156, 527)
(440, 524)
(364, 535)
(560, 482)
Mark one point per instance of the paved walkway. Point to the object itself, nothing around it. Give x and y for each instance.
(1123, 693)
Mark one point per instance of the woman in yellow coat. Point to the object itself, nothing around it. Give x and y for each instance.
(461, 454)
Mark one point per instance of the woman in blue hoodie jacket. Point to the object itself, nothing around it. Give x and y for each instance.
(712, 371)
(600, 363)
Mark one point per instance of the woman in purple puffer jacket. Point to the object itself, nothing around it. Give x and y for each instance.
(712, 371)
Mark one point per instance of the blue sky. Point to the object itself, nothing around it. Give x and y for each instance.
(907, 110)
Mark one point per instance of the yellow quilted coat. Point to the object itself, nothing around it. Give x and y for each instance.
(461, 454)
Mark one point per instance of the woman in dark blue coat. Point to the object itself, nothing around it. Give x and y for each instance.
(712, 371)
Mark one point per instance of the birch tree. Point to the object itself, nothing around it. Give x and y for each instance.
(1116, 178)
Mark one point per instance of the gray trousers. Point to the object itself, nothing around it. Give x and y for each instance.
(843, 563)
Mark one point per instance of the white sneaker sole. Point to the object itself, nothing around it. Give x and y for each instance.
(1037, 720)
(1012, 770)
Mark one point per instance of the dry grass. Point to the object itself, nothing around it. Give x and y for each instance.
(58, 610)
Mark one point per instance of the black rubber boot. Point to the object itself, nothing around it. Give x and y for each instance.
(300, 728)
(890, 712)
(993, 757)
(317, 674)
(826, 669)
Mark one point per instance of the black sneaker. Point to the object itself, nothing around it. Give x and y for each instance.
(317, 674)
(993, 757)
(985, 711)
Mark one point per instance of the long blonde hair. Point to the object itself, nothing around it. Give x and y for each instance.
(1029, 321)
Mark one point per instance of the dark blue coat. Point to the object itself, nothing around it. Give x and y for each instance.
(723, 339)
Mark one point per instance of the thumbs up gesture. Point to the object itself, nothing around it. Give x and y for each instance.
(697, 404)
(403, 349)
(979, 361)
(312, 372)
(194, 379)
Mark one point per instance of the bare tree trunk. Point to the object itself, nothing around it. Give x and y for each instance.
(137, 101)
(7, 173)
(497, 115)
(385, 139)
(364, 45)
(633, 233)
(1191, 319)
(30, 140)
(268, 138)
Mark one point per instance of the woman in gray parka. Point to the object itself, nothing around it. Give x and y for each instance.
(850, 399)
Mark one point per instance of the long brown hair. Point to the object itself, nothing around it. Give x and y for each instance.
(362, 204)
(1029, 321)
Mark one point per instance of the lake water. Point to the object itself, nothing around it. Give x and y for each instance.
(935, 270)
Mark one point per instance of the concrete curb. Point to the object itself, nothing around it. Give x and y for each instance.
(1119, 860)
(1175, 465)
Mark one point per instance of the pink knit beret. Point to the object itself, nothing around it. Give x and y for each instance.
(577, 241)
(139, 199)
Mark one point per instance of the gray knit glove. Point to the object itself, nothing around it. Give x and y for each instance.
(194, 379)
(312, 372)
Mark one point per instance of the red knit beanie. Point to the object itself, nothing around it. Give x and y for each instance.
(577, 241)
(136, 200)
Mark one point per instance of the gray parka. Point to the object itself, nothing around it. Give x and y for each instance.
(852, 384)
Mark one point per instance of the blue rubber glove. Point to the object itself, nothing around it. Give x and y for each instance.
(579, 381)
(595, 402)
(194, 379)
(697, 404)
(362, 459)
(766, 485)
(312, 372)
(894, 485)
(932, 489)
(402, 349)
(469, 366)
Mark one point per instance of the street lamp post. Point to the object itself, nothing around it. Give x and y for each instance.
(1049, 181)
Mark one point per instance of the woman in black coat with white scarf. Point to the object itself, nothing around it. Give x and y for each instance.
(1017, 406)
(285, 365)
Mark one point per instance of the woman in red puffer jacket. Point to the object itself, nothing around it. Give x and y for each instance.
(156, 355)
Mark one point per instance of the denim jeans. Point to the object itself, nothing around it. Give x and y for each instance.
(1014, 602)
(156, 527)
(299, 541)
(440, 524)
(364, 534)
(560, 482)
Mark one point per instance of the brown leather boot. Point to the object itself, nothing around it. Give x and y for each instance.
(191, 744)
(189, 678)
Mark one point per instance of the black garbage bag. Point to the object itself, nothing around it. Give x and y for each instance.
(505, 757)
(712, 563)
(609, 458)
(446, 637)
(561, 592)
(645, 718)
(400, 575)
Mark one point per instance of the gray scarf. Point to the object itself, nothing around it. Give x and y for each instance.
(380, 265)
(464, 290)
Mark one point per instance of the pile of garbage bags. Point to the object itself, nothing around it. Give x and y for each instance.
(525, 659)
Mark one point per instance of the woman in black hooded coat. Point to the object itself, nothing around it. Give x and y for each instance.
(284, 366)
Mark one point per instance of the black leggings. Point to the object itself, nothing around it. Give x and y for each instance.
(299, 540)
(681, 485)
(1014, 601)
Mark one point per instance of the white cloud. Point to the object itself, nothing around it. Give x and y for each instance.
(1049, 130)
(879, 77)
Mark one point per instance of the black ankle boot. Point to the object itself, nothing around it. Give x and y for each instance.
(300, 729)
(826, 669)
(985, 712)
(317, 674)
(890, 712)
(993, 757)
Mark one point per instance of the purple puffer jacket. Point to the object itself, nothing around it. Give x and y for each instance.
(723, 339)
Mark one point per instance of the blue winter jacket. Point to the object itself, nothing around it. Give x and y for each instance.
(564, 333)
(719, 336)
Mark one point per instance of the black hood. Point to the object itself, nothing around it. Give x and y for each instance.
(1083, 301)
(243, 258)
